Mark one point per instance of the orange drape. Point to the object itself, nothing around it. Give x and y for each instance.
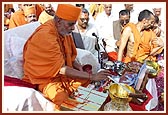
(39, 9)
(17, 19)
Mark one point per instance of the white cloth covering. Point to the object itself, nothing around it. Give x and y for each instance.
(17, 98)
(86, 57)
(14, 40)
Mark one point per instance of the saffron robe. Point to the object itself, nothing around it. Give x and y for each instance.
(45, 52)
(17, 19)
(39, 9)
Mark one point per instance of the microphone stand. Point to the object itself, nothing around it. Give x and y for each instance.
(97, 47)
(104, 45)
(104, 54)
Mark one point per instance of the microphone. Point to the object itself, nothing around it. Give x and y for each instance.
(104, 43)
(97, 47)
(93, 34)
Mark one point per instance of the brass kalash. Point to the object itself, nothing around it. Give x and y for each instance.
(120, 97)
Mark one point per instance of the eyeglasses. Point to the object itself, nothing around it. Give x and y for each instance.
(124, 21)
(31, 16)
(84, 19)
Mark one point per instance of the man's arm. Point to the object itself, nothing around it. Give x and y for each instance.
(123, 41)
(71, 72)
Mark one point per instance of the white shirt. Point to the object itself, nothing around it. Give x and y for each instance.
(89, 40)
(104, 25)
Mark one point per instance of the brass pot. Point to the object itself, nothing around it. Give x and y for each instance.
(120, 93)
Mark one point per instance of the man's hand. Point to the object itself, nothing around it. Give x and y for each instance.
(101, 75)
(158, 42)
(104, 55)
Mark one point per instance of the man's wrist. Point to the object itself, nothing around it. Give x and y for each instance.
(91, 77)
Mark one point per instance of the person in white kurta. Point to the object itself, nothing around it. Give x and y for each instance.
(104, 24)
(89, 40)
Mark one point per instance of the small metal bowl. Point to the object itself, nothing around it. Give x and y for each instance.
(87, 68)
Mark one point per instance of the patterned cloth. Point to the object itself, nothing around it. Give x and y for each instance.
(160, 88)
